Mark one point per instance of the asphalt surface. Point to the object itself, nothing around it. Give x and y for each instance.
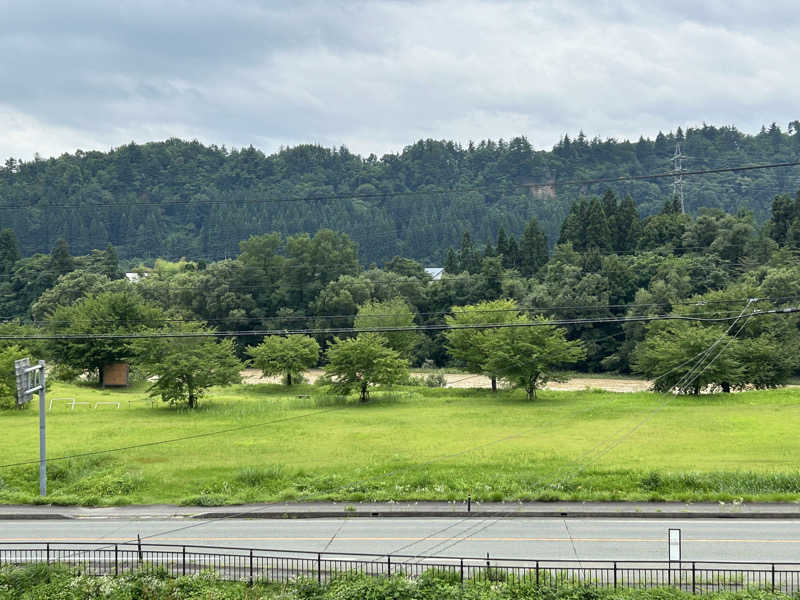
(704, 539)
(644, 510)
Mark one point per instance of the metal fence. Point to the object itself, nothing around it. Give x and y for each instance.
(251, 565)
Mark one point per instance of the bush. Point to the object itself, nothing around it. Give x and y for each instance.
(432, 380)
(64, 373)
(436, 380)
(8, 385)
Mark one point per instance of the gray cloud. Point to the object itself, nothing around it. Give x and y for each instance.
(377, 75)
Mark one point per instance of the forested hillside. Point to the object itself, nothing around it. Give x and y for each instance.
(178, 198)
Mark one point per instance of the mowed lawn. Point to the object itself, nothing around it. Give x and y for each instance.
(409, 444)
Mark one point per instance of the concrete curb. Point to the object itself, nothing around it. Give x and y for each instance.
(409, 514)
(493, 515)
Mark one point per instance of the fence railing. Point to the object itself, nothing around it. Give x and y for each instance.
(251, 565)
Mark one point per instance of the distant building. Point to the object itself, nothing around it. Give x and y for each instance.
(134, 277)
(435, 272)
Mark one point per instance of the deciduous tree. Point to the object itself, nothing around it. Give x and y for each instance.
(289, 356)
(360, 362)
(530, 355)
(185, 368)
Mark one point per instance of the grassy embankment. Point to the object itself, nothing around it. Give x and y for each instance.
(410, 444)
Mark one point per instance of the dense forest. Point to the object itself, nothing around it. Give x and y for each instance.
(609, 263)
(177, 199)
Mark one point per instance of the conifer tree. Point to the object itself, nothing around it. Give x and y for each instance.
(9, 251)
(60, 259)
(532, 249)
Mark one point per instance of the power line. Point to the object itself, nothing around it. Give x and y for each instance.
(435, 459)
(397, 194)
(303, 317)
(172, 440)
(661, 175)
(388, 329)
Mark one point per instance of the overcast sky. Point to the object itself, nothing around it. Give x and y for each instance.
(376, 76)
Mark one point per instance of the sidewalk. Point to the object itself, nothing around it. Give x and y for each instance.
(530, 510)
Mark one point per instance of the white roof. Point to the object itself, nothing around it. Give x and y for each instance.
(435, 272)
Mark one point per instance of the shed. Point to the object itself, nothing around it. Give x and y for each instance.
(116, 374)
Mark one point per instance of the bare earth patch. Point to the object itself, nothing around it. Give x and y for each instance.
(463, 380)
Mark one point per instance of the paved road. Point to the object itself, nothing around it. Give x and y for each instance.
(585, 539)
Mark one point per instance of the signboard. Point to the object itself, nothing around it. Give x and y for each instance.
(31, 380)
(674, 543)
(23, 377)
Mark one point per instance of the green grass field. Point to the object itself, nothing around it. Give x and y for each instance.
(409, 444)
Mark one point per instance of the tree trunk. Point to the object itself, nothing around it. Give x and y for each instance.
(364, 392)
(192, 398)
(101, 378)
(494, 384)
(288, 378)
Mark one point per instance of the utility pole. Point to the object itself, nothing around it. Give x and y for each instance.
(30, 381)
(677, 180)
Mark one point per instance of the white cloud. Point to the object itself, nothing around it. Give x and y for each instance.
(376, 76)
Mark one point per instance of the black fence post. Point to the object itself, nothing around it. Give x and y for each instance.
(773, 578)
(183, 561)
(389, 565)
(462, 571)
(615, 574)
(537, 573)
(251, 568)
(139, 546)
(48, 553)
(319, 567)
(116, 560)
(694, 590)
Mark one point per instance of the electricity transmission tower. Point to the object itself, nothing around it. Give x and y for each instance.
(677, 180)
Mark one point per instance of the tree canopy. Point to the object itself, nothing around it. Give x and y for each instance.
(529, 356)
(288, 356)
(185, 368)
(360, 362)
(121, 312)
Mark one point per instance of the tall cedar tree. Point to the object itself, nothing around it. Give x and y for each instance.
(533, 253)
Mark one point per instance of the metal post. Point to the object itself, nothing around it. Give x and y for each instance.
(42, 433)
(251, 568)
(183, 562)
(462, 570)
(48, 553)
(139, 546)
(116, 560)
(319, 567)
(773, 578)
(388, 564)
(615, 574)
(469, 503)
(537, 573)
(694, 590)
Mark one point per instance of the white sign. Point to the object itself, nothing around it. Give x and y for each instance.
(674, 544)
